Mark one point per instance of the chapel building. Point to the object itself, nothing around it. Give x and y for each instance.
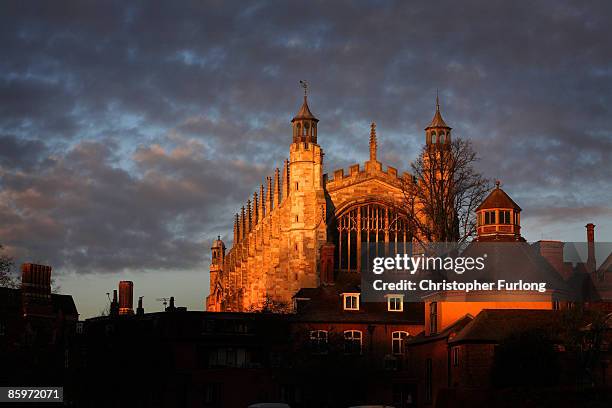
(304, 229)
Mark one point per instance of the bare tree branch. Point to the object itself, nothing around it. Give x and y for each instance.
(442, 196)
(7, 280)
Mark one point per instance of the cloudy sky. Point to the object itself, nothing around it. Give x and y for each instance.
(130, 132)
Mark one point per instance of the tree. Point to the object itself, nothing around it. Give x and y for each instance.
(442, 196)
(270, 306)
(7, 280)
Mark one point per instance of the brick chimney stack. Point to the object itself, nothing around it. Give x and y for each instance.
(140, 309)
(114, 306)
(36, 290)
(36, 279)
(126, 298)
(591, 263)
(171, 307)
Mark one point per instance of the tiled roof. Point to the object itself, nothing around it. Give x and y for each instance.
(325, 305)
(65, 303)
(10, 299)
(498, 199)
(304, 112)
(517, 259)
(444, 334)
(494, 325)
(437, 121)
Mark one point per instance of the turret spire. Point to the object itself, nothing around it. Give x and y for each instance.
(373, 142)
(304, 123)
(437, 132)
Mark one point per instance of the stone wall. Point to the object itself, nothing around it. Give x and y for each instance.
(276, 243)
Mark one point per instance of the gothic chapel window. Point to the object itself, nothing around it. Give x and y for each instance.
(368, 231)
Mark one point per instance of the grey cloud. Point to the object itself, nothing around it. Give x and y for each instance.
(130, 133)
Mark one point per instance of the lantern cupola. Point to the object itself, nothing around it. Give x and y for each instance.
(438, 132)
(304, 123)
(498, 217)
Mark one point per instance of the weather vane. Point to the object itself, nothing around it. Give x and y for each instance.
(304, 85)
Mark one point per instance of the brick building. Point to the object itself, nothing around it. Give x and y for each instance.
(36, 330)
(329, 353)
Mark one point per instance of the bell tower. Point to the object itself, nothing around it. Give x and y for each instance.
(304, 182)
(438, 133)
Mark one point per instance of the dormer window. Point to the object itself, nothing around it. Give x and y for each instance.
(351, 301)
(395, 303)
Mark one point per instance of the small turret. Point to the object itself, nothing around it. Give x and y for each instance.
(438, 133)
(218, 251)
(498, 217)
(304, 123)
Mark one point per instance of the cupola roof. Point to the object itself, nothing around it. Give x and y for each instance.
(304, 112)
(437, 121)
(498, 199)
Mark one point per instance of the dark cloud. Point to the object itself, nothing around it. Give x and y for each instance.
(130, 133)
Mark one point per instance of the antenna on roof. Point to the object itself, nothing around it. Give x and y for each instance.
(164, 301)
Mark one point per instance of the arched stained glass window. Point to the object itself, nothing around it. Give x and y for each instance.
(373, 228)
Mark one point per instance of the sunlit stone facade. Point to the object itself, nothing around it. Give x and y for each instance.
(303, 227)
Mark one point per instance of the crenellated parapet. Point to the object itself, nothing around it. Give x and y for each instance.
(373, 169)
(357, 174)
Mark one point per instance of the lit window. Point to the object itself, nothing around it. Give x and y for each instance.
(395, 303)
(456, 356)
(318, 341)
(397, 341)
(352, 342)
(504, 217)
(351, 301)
